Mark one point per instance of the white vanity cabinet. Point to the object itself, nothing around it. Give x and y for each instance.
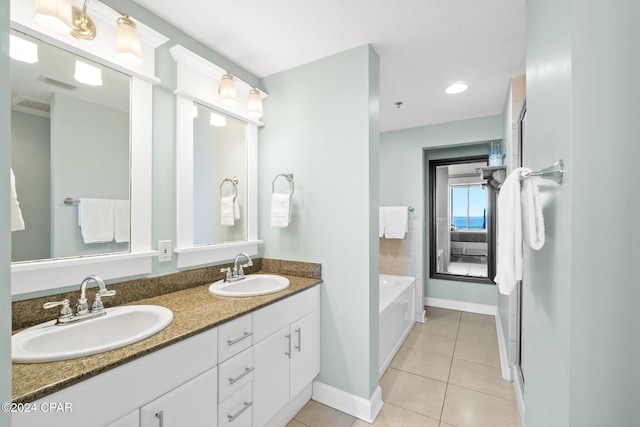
(191, 404)
(286, 352)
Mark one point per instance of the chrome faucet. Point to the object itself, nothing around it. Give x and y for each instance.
(82, 308)
(237, 273)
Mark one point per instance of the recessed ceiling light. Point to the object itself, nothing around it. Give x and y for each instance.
(23, 50)
(457, 87)
(88, 74)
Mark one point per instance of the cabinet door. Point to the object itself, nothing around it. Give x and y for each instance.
(193, 404)
(305, 357)
(271, 376)
(131, 420)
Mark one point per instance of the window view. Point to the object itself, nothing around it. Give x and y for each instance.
(468, 207)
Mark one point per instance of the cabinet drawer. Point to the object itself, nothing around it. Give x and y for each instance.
(234, 336)
(274, 317)
(235, 373)
(237, 410)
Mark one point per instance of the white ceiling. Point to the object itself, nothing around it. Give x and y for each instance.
(424, 45)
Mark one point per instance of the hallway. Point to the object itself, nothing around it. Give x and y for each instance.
(447, 374)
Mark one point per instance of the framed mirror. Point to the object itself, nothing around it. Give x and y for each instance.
(461, 221)
(119, 155)
(70, 127)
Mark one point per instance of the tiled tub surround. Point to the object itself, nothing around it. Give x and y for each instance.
(403, 257)
(185, 293)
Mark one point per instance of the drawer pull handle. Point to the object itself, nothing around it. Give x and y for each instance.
(299, 346)
(160, 417)
(288, 353)
(246, 406)
(247, 371)
(237, 340)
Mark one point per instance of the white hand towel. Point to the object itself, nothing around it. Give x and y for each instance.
(381, 222)
(509, 269)
(17, 222)
(227, 211)
(122, 220)
(280, 210)
(396, 222)
(96, 218)
(532, 217)
(236, 209)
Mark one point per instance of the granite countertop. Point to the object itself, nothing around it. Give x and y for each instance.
(194, 310)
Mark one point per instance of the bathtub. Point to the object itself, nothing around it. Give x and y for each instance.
(397, 316)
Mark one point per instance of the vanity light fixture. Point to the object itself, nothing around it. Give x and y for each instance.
(127, 40)
(88, 74)
(227, 90)
(55, 15)
(23, 50)
(456, 88)
(255, 104)
(217, 120)
(61, 17)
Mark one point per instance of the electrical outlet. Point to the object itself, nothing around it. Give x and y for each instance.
(164, 246)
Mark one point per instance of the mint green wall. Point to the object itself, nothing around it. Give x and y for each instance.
(582, 102)
(322, 127)
(402, 183)
(5, 234)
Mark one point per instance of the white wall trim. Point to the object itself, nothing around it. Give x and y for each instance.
(519, 397)
(502, 348)
(366, 410)
(470, 307)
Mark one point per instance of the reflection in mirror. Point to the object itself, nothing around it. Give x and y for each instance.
(70, 139)
(219, 177)
(462, 221)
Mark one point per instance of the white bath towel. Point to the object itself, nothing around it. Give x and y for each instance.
(532, 217)
(96, 218)
(280, 210)
(227, 211)
(381, 222)
(17, 222)
(509, 269)
(122, 220)
(396, 222)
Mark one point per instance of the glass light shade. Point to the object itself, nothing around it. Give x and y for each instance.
(88, 74)
(128, 46)
(227, 90)
(23, 50)
(217, 120)
(254, 104)
(54, 15)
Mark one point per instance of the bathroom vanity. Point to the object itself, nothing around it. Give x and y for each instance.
(222, 361)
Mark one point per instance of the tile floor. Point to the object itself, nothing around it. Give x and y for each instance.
(447, 374)
(468, 269)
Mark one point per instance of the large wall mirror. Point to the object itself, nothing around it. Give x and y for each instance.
(80, 136)
(70, 134)
(462, 221)
(216, 165)
(219, 177)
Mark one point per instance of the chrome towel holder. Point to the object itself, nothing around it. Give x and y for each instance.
(233, 181)
(288, 177)
(553, 172)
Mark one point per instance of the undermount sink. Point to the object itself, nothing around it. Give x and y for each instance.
(120, 326)
(252, 285)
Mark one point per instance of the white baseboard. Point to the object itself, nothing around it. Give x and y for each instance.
(502, 348)
(421, 317)
(366, 410)
(470, 307)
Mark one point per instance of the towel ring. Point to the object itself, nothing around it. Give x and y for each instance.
(233, 181)
(289, 178)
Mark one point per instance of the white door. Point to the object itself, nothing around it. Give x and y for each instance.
(193, 404)
(305, 358)
(271, 376)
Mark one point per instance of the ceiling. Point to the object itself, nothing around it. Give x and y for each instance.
(424, 46)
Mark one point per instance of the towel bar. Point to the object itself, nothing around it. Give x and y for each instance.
(553, 172)
(70, 201)
(233, 181)
(289, 178)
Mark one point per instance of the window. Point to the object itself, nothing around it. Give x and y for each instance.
(468, 207)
